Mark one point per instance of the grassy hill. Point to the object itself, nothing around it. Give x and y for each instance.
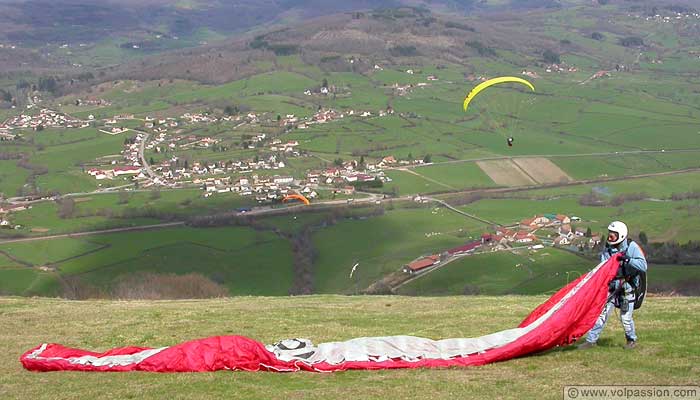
(647, 104)
(668, 352)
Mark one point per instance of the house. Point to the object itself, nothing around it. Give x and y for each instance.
(563, 219)
(505, 233)
(12, 207)
(562, 241)
(580, 232)
(528, 224)
(594, 240)
(126, 170)
(464, 249)
(524, 237)
(565, 230)
(283, 179)
(389, 160)
(418, 265)
(541, 220)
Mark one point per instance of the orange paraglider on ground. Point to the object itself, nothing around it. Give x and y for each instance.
(296, 197)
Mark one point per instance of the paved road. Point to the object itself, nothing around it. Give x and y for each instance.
(100, 232)
(144, 163)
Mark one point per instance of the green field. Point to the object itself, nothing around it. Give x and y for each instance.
(667, 353)
(503, 273)
(526, 272)
(240, 259)
(660, 220)
(384, 244)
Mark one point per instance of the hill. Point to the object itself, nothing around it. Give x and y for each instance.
(667, 353)
(610, 133)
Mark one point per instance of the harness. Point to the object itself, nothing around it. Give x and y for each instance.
(628, 275)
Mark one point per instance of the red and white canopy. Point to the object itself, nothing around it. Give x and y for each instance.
(561, 320)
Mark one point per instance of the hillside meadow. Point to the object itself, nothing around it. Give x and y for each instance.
(667, 352)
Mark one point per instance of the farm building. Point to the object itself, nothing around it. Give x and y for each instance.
(467, 248)
(421, 264)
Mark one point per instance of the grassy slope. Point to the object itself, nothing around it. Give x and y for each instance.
(668, 352)
(526, 272)
(242, 259)
(383, 244)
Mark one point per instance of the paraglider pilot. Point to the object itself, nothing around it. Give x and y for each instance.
(627, 290)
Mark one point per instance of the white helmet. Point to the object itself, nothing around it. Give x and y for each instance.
(621, 229)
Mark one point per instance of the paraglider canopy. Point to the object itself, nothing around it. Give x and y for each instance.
(491, 82)
(296, 197)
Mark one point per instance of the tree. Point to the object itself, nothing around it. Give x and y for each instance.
(48, 84)
(588, 232)
(324, 83)
(597, 36)
(361, 165)
(6, 96)
(123, 198)
(67, 208)
(643, 238)
(632, 41)
(151, 161)
(480, 48)
(338, 161)
(551, 57)
(230, 110)
(427, 159)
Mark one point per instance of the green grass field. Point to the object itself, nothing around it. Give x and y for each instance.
(384, 244)
(526, 272)
(517, 272)
(660, 220)
(241, 259)
(667, 352)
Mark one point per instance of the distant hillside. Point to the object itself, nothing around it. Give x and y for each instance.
(357, 41)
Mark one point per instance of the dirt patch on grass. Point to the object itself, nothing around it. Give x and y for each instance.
(542, 170)
(505, 172)
(40, 230)
(82, 199)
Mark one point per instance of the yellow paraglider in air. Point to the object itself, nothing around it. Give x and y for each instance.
(494, 81)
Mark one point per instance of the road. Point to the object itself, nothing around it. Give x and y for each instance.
(458, 211)
(144, 163)
(100, 232)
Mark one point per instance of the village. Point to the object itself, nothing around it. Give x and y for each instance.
(532, 234)
(174, 171)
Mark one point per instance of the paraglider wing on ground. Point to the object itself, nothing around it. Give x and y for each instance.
(561, 320)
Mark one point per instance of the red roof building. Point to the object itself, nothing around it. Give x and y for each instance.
(421, 264)
(471, 246)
